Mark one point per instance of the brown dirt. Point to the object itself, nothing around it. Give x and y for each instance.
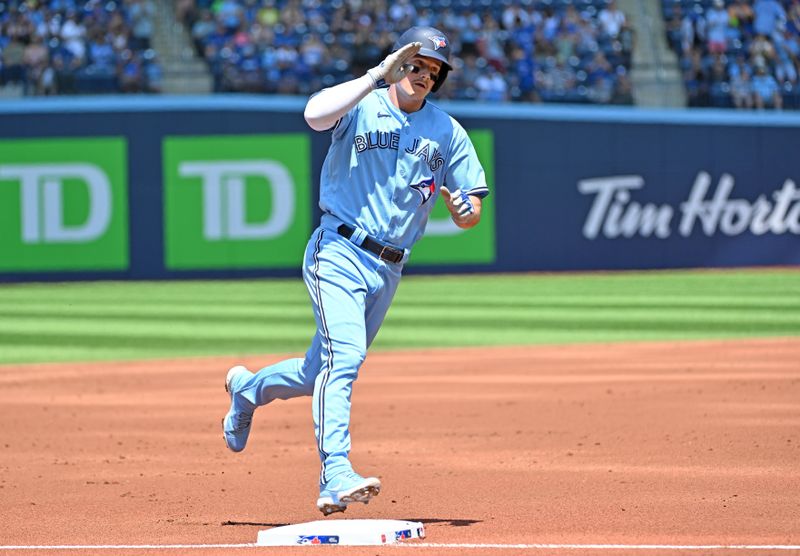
(647, 443)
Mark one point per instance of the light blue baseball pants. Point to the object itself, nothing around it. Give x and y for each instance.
(351, 291)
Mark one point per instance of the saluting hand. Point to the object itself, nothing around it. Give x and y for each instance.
(394, 67)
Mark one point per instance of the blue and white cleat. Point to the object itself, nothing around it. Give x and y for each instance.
(236, 424)
(345, 489)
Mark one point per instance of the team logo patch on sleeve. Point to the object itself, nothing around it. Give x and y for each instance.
(425, 188)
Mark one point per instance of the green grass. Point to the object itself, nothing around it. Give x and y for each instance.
(141, 320)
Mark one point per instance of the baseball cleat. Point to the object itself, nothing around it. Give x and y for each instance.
(345, 489)
(236, 424)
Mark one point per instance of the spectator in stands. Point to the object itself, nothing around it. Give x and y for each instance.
(600, 78)
(623, 90)
(523, 72)
(36, 58)
(402, 13)
(717, 28)
(268, 15)
(230, 14)
(768, 13)
(787, 54)
(141, 13)
(153, 73)
(762, 52)
(793, 17)
(309, 43)
(611, 20)
(491, 86)
(131, 75)
(490, 43)
(742, 87)
(514, 17)
(740, 18)
(462, 84)
(202, 28)
(680, 31)
(767, 94)
(65, 67)
(73, 33)
(102, 58)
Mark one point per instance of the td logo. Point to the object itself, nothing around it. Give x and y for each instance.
(224, 188)
(63, 204)
(236, 201)
(42, 206)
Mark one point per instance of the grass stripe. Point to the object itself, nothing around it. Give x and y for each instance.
(140, 320)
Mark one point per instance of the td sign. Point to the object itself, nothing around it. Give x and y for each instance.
(63, 204)
(236, 201)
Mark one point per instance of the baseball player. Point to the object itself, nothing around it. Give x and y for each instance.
(392, 154)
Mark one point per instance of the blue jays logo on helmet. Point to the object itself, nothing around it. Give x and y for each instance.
(438, 48)
(425, 188)
(438, 42)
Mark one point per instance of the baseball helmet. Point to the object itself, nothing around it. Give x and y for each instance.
(435, 44)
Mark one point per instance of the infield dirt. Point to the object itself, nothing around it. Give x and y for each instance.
(673, 443)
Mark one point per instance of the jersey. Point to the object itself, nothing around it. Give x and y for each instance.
(384, 168)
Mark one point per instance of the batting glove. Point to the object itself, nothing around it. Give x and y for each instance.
(458, 202)
(394, 67)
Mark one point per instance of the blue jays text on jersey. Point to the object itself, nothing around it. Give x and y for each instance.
(391, 140)
(378, 171)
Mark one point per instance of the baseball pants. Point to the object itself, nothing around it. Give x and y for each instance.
(351, 291)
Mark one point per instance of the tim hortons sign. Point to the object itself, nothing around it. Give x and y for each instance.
(614, 214)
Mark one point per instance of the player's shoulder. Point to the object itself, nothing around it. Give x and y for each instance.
(440, 116)
(445, 122)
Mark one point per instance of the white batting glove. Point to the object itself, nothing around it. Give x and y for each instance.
(394, 67)
(461, 207)
(458, 203)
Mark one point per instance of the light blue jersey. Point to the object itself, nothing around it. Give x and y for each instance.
(384, 168)
(380, 180)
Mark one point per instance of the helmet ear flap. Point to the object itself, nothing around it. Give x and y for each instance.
(442, 76)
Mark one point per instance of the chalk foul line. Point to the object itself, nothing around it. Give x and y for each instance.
(499, 546)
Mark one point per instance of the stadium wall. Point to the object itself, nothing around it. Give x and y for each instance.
(213, 187)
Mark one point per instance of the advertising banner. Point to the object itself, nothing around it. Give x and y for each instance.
(224, 187)
(644, 195)
(63, 204)
(241, 201)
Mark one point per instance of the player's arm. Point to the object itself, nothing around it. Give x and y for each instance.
(328, 106)
(464, 209)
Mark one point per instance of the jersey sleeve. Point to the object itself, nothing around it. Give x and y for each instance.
(464, 170)
(344, 122)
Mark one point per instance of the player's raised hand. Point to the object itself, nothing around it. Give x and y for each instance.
(461, 207)
(394, 67)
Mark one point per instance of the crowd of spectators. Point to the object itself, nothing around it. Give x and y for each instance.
(737, 53)
(53, 47)
(521, 50)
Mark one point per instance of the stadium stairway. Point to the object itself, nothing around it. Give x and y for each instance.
(655, 73)
(184, 71)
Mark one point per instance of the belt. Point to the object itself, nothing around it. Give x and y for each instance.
(383, 252)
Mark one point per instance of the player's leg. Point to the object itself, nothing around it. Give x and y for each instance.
(380, 300)
(284, 380)
(340, 278)
(347, 487)
(337, 286)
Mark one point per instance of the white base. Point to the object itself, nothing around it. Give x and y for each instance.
(348, 532)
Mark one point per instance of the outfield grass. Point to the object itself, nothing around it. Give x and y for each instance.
(142, 320)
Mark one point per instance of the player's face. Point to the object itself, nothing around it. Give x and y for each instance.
(422, 77)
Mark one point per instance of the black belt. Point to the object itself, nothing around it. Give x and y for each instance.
(383, 252)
